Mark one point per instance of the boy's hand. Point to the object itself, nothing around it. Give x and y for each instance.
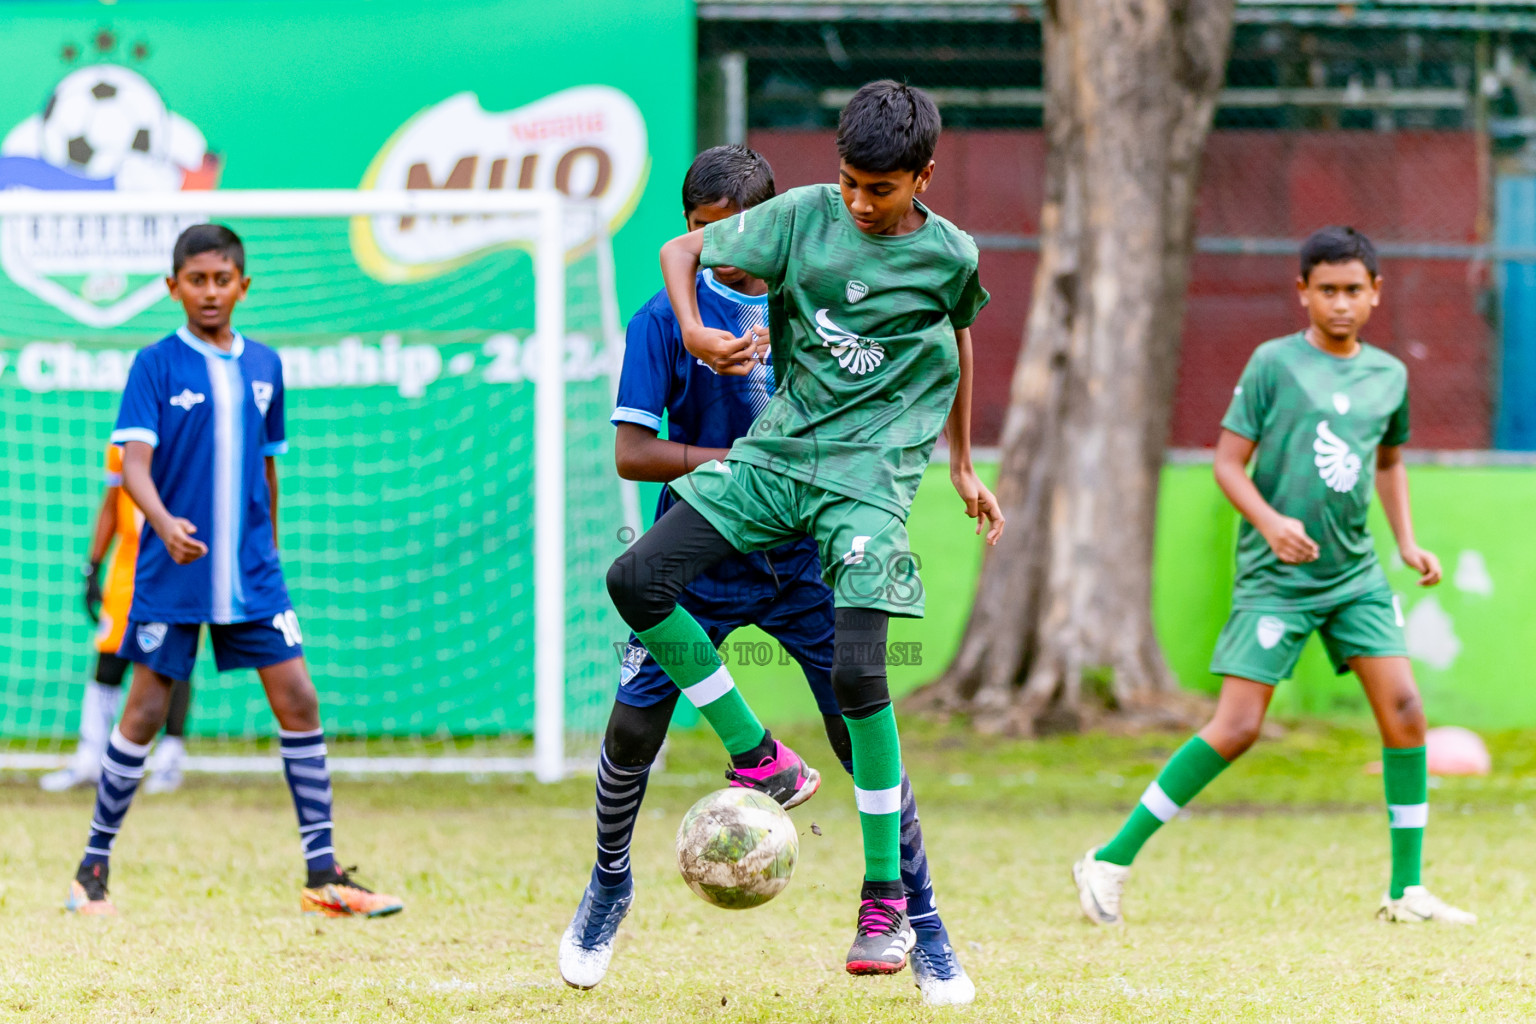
(1289, 541)
(93, 591)
(176, 533)
(980, 504)
(1422, 562)
(724, 352)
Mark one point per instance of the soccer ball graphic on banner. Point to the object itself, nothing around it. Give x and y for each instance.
(106, 121)
(737, 849)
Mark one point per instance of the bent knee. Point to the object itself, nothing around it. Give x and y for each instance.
(1408, 709)
(861, 689)
(621, 581)
(1230, 738)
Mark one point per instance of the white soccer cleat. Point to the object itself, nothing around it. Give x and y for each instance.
(586, 948)
(940, 978)
(1418, 904)
(1099, 886)
(72, 777)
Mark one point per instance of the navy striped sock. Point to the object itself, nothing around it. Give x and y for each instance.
(921, 908)
(619, 792)
(122, 767)
(309, 780)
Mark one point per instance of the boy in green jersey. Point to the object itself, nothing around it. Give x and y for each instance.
(1321, 414)
(870, 297)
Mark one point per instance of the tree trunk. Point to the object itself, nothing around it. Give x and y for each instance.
(1062, 625)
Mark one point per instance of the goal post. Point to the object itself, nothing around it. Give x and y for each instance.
(500, 293)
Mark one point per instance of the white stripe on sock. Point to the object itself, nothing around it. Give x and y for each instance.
(710, 689)
(1409, 815)
(1159, 803)
(300, 734)
(126, 746)
(878, 801)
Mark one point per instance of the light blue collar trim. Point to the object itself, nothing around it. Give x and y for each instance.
(201, 346)
(731, 293)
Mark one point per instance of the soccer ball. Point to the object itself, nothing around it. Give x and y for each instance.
(737, 848)
(105, 119)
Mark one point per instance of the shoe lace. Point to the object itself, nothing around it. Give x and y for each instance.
(939, 964)
(344, 877)
(1113, 883)
(877, 917)
(600, 912)
(94, 883)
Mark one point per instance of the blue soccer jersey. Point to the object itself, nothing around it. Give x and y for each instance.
(660, 376)
(212, 417)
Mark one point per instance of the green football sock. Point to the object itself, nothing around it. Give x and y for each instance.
(1405, 772)
(684, 651)
(877, 790)
(1187, 772)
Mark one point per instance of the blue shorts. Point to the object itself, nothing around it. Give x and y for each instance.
(779, 591)
(171, 648)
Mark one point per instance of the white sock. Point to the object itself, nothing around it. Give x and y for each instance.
(97, 714)
(168, 753)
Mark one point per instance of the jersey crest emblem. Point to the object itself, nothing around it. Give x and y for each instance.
(1341, 402)
(1336, 464)
(634, 657)
(856, 290)
(261, 391)
(1270, 630)
(187, 399)
(855, 354)
(151, 635)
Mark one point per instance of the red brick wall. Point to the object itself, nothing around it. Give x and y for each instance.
(1403, 186)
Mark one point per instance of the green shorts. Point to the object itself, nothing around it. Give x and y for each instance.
(865, 554)
(1265, 645)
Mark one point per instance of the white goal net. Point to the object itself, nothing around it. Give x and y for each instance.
(449, 505)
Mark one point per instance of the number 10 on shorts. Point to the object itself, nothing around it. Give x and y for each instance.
(287, 623)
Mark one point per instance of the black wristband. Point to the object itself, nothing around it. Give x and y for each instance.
(92, 569)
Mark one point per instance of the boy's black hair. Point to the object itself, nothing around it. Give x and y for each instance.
(728, 172)
(888, 126)
(200, 238)
(1337, 245)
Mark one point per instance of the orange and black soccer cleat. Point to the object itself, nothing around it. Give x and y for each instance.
(335, 894)
(88, 893)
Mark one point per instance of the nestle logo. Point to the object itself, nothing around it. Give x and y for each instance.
(589, 123)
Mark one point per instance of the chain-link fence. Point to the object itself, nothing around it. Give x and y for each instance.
(1416, 124)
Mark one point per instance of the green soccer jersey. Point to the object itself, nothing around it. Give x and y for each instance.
(862, 329)
(1318, 420)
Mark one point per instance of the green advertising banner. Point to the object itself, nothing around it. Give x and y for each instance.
(407, 344)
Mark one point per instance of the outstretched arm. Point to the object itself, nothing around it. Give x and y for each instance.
(641, 455)
(721, 351)
(174, 532)
(980, 504)
(1392, 488)
(1287, 537)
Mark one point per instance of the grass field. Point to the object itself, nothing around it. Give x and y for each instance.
(1257, 907)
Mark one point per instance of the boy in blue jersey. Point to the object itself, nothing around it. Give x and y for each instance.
(200, 425)
(780, 590)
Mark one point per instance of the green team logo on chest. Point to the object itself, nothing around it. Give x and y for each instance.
(855, 354)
